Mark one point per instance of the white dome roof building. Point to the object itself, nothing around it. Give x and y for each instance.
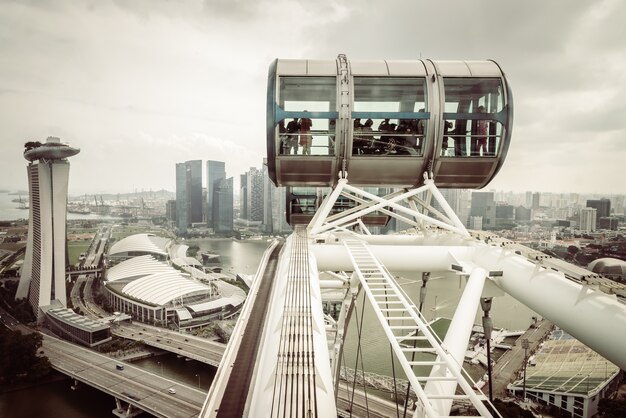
(153, 281)
(139, 244)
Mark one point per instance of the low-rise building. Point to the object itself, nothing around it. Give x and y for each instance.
(566, 374)
(76, 328)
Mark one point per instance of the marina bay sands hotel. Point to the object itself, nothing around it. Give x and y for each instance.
(43, 273)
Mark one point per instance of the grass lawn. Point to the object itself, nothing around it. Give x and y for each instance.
(74, 250)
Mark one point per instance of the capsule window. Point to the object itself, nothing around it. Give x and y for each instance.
(303, 200)
(307, 130)
(472, 124)
(389, 116)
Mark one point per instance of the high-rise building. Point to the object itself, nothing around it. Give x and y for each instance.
(505, 216)
(483, 205)
(522, 213)
(268, 202)
(602, 206)
(588, 219)
(42, 278)
(182, 203)
(170, 211)
(215, 173)
(222, 204)
(243, 196)
(536, 200)
(188, 194)
(254, 194)
(528, 199)
(196, 203)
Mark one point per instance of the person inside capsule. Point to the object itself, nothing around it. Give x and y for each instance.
(292, 136)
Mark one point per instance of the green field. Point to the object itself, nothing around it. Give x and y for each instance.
(74, 249)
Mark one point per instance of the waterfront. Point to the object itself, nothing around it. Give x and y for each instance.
(10, 210)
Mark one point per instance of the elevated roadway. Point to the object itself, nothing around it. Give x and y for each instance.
(200, 349)
(131, 386)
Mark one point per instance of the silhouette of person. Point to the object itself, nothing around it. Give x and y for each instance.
(358, 142)
(386, 138)
(367, 135)
(481, 134)
(282, 135)
(331, 136)
(292, 136)
(447, 125)
(305, 135)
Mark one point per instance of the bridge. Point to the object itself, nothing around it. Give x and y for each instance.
(134, 389)
(199, 349)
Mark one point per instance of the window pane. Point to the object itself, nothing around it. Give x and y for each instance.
(468, 135)
(307, 93)
(388, 135)
(304, 136)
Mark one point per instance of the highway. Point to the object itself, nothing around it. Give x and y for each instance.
(200, 349)
(142, 389)
(97, 247)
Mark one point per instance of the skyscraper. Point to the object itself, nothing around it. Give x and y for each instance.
(243, 196)
(43, 272)
(182, 204)
(588, 219)
(255, 195)
(188, 194)
(602, 206)
(483, 205)
(195, 190)
(215, 173)
(536, 200)
(223, 206)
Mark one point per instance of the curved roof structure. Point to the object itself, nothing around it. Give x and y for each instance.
(178, 256)
(608, 266)
(162, 288)
(148, 243)
(135, 268)
(153, 281)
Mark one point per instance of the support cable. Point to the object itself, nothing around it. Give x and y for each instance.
(425, 277)
(393, 365)
(359, 326)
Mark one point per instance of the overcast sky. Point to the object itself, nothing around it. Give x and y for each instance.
(139, 85)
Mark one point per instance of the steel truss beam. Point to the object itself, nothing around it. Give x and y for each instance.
(366, 203)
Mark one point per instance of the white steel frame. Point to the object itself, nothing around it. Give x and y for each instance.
(439, 391)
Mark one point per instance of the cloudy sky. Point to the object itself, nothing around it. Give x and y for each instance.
(139, 85)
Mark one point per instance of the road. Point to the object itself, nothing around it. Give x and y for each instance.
(200, 349)
(145, 390)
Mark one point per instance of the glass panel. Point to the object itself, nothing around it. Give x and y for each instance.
(388, 135)
(307, 136)
(469, 135)
(303, 200)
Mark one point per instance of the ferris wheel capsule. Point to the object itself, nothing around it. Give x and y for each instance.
(385, 123)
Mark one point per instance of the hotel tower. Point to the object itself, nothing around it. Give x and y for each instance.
(43, 272)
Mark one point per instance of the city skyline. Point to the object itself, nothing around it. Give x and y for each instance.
(201, 93)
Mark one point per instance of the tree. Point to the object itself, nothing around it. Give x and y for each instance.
(572, 249)
(18, 356)
(612, 408)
